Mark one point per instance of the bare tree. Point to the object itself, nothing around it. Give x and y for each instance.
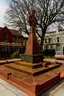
(17, 15)
(47, 12)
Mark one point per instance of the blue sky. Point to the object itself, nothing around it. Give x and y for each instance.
(4, 4)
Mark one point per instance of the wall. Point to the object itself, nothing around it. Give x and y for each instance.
(54, 42)
(5, 30)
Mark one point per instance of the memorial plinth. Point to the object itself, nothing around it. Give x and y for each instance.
(31, 62)
(32, 56)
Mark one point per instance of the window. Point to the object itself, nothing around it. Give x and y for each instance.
(57, 39)
(57, 47)
(13, 39)
(49, 40)
(5, 37)
(46, 46)
(51, 46)
(3, 49)
(45, 40)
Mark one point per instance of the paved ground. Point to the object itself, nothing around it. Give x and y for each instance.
(8, 90)
(53, 60)
(9, 60)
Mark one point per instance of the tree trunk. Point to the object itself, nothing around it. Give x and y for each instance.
(42, 40)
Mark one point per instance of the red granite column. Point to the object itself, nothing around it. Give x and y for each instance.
(32, 44)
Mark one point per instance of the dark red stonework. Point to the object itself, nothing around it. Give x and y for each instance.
(32, 44)
(3, 31)
(32, 52)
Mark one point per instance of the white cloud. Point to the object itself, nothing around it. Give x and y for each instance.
(3, 8)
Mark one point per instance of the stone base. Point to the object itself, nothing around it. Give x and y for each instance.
(32, 85)
(33, 59)
(33, 89)
(30, 68)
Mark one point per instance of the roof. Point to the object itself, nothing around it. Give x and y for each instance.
(50, 32)
(14, 32)
(1, 28)
(60, 28)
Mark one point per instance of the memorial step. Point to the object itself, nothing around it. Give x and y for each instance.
(31, 71)
(29, 65)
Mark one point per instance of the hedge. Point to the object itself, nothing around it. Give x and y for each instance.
(49, 52)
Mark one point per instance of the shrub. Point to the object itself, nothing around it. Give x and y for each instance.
(47, 57)
(49, 52)
(15, 55)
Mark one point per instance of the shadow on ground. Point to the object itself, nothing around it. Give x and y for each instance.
(53, 91)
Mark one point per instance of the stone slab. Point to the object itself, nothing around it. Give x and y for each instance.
(9, 61)
(2, 88)
(7, 93)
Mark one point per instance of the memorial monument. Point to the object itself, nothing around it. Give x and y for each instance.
(32, 52)
(30, 73)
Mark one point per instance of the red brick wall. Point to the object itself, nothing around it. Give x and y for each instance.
(5, 30)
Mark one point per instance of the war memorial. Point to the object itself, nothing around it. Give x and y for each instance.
(30, 73)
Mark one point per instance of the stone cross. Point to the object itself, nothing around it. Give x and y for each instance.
(32, 20)
(32, 44)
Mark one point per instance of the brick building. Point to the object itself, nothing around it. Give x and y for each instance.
(11, 41)
(10, 36)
